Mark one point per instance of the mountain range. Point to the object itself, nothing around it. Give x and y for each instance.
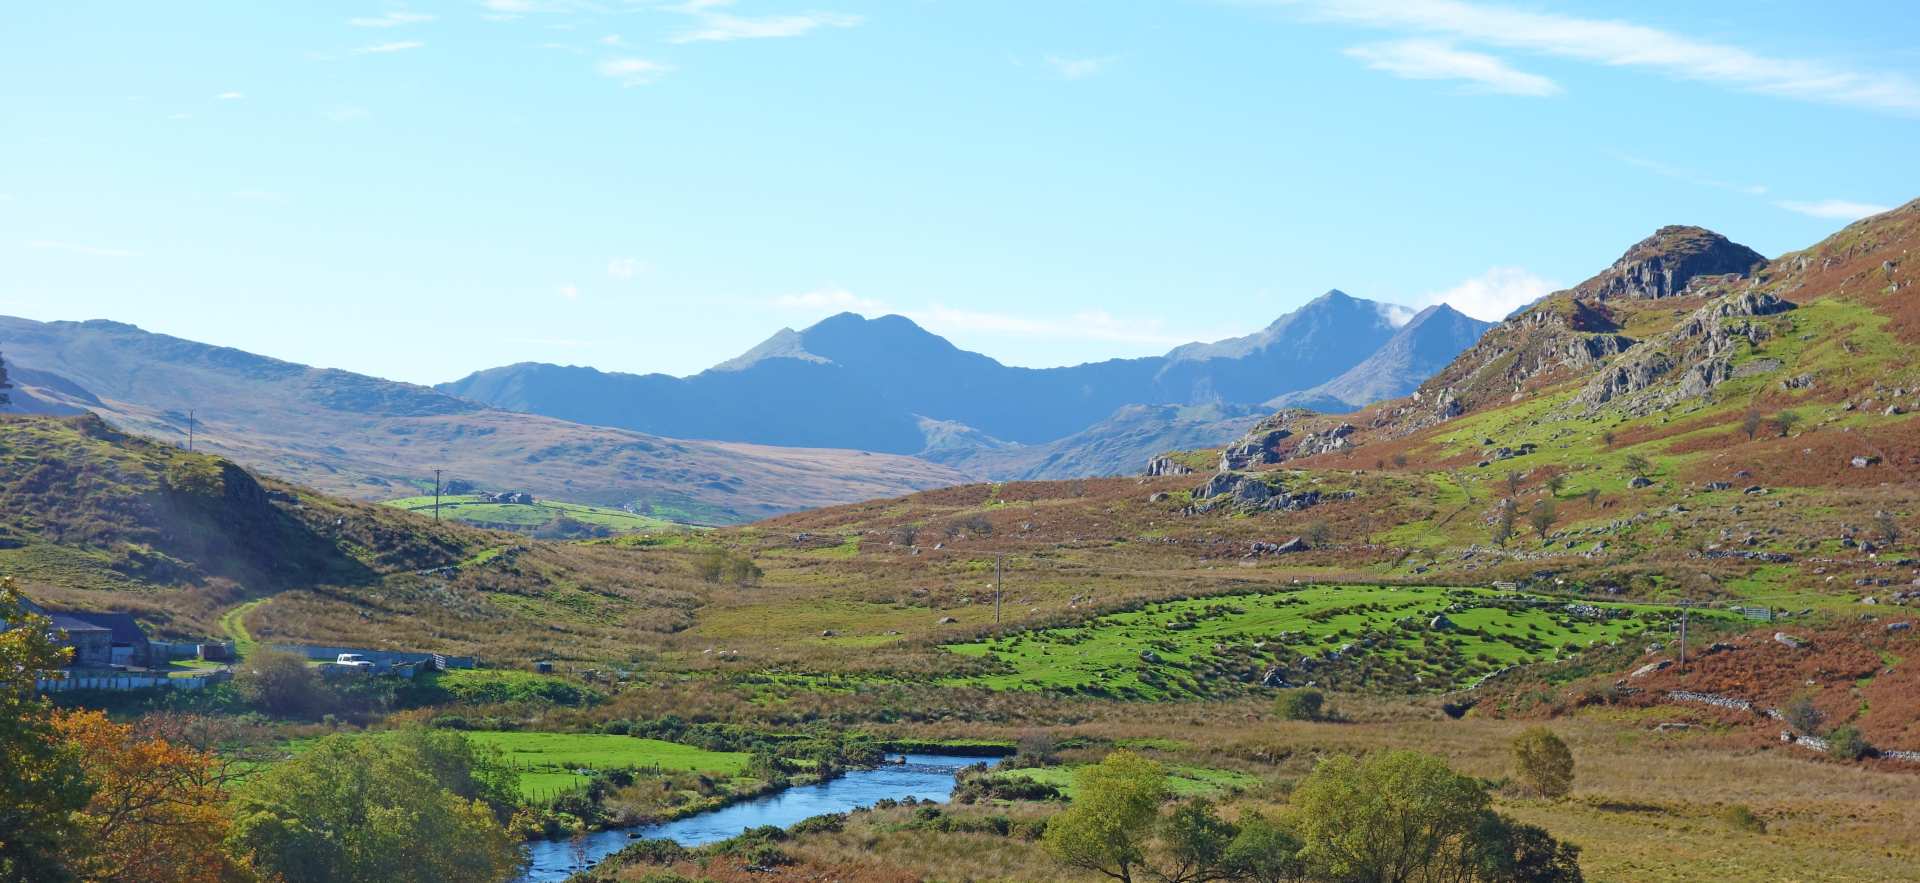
(848, 409)
(886, 384)
(368, 438)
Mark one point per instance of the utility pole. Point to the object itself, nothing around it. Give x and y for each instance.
(436, 495)
(997, 559)
(189, 429)
(1686, 606)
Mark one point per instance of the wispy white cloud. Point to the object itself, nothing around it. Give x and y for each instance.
(392, 19)
(230, 96)
(634, 71)
(1420, 59)
(716, 26)
(570, 292)
(1690, 176)
(625, 268)
(1836, 209)
(81, 249)
(383, 48)
(1492, 295)
(610, 40)
(838, 300)
(1078, 68)
(1618, 43)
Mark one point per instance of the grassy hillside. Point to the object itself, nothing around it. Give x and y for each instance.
(480, 511)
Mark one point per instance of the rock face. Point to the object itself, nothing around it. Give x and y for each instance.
(1700, 350)
(1167, 466)
(1664, 264)
(1248, 493)
(1287, 435)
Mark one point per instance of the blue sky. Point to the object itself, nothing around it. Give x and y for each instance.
(419, 190)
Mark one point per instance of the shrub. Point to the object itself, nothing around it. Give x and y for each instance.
(1846, 743)
(1803, 716)
(1542, 762)
(1741, 818)
(281, 683)
(1300, 705)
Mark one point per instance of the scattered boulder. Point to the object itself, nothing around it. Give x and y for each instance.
(1789, 640)
(1640, 481)
(947, 620)
(1650, 668)
(1440, 623)
(1864, 461)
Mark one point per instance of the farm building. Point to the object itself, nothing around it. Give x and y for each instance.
(99, 640)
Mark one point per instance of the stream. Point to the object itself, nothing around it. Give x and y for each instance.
(923, 776)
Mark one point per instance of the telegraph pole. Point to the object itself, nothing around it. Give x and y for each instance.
(189, 429)
(436, 495)
(997, 559)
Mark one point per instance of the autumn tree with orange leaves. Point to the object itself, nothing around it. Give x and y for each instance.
(158, 808)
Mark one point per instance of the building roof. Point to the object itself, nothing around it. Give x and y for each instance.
(125, 629)
(71, 623)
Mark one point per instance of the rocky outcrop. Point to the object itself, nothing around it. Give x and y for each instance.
(1666, 263)
(1290, 434)
(1249, 493)
(1164, 465)
(1700, 350)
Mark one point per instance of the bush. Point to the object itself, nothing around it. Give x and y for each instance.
(1846, 743)
(282, 684)
(1542, 762)
(1801, 715)
(1740, 818)
(1300, 705)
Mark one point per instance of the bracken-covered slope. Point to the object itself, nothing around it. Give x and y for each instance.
(369, 438)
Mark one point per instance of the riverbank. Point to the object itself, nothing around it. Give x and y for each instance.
(922, 777)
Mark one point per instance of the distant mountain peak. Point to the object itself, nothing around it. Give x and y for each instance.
(784, 344)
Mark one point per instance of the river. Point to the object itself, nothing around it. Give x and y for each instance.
(923, 776)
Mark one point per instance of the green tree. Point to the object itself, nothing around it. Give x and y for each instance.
(1542, 516)
(1263, 852)
(1543, 763)
(1300, 705)
(1502, 529)
(1785, 421)
(1510, 852)
(281, 683)
(1115, 805)
(42, 783)
(1194, 842)
(1395, 816)
(1555, 483)
(1847, 743)
(353, 809)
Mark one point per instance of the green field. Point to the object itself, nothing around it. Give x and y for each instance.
(1183, 781)
(548, 761)
(475, 509)
(1359, 637)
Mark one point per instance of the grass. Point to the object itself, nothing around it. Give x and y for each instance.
(1384, 631)
(1182, 780)
(548, 761)
(234, 624)
(475, 509)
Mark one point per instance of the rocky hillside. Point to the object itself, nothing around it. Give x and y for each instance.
(369, 438)
(1686, 323)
